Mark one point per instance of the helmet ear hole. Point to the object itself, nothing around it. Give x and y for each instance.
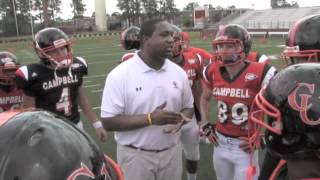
(36, 137)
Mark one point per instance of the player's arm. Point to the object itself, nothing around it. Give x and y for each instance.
(86, 107)
(205, 104)
(22, 81)
(197, 89)
(28, 101)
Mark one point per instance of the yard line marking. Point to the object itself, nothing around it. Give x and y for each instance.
(95, 76)
(103, 62)
(97, 107)
(93, 85)
(97, 90)
(87, 81)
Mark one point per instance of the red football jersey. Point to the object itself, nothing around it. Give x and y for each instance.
(127, 56)
(254, 56)
(206, 57)
(192, 66)
(234, 96)
(10, 100)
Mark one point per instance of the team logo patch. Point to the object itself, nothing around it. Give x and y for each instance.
(250, 77)
(192, 61)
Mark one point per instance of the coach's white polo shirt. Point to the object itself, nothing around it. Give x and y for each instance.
(133, 88)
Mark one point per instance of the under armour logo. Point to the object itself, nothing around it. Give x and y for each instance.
(175, 85)
(138, 88)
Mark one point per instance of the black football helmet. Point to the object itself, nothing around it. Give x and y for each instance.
(177, 41)
(40, 145)
(50, 40)
(232, 34)
(8, 66)
(291, 104)
(303, 42)
(130, 38)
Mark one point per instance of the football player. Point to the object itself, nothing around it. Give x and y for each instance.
(10, 96)
(204, 55)
(130, 41)
(55, 83)
(41, 145)
(233, 83)
(291, 104)
(302, 46)
(192, 65)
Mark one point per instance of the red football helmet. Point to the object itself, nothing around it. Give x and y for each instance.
(8, 66)
(303, 42)
(53, 47)
(235, 36)
(40, 145)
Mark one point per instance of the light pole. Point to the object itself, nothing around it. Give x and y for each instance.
(15, 18)
(31, 18)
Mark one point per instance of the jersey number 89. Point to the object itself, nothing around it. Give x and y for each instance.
(239, 112)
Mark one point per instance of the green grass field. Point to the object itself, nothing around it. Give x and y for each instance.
(103, 54)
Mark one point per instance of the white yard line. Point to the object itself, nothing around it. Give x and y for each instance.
(93, 85)
(95, 76)
(97, 90)
(94, 108)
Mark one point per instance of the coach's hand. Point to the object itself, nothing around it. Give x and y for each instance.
(161, 117)
(207, 129)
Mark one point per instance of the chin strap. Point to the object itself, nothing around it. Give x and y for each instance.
(57, 67)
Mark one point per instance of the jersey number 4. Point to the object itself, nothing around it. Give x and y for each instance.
(239, 112)
(64, 103)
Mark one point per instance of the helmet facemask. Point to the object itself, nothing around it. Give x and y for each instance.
(227, 50)
(293, 55)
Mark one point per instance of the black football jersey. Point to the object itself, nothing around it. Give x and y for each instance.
(56, 93)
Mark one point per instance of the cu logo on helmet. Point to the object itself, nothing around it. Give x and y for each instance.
(305, 105)
(85, 171)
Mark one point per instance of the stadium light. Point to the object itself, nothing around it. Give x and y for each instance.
(31, 18)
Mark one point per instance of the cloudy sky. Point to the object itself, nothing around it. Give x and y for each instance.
(111, 5)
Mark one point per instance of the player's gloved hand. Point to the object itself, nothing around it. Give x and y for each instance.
(248, 145)
(208, 130)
